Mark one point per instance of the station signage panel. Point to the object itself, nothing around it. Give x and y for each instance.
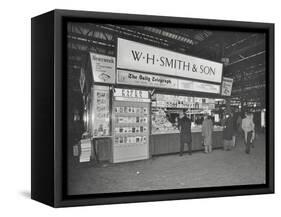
(140, 57)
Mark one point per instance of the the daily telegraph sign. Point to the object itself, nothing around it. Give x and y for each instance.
(159, 81)
(142, 79)
(140, 57)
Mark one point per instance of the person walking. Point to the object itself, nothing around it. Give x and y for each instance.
(185, 133)
(248, 127)
(228, 132)
(207, 133)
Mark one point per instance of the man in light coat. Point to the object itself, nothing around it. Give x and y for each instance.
(248, 127)
(207, 133)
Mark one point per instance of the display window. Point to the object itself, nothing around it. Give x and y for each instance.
(130, 125)
(167, 110)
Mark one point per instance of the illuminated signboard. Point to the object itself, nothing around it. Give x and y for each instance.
(198, 86)
(136, 56)
(143, 79)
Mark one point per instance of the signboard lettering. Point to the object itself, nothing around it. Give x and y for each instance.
(142, 79)
(131, 93)
(136, 56)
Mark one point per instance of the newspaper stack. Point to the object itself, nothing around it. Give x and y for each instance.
(85, 155)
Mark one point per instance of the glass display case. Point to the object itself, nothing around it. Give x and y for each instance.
(130, 125)
(167, 109)
(161, 123)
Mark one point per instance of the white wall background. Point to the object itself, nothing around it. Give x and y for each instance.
(15, 106)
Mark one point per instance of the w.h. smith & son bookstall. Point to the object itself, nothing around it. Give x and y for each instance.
(134, 99)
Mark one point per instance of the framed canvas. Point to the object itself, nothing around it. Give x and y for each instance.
(133, 108)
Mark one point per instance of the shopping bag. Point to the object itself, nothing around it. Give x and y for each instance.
(253, 136)
(202, 143)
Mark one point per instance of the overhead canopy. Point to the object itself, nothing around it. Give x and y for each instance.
(243, 53)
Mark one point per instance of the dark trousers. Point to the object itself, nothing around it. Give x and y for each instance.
(248, 142)
(189, 144)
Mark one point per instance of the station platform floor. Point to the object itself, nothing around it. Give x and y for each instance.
(219, 168)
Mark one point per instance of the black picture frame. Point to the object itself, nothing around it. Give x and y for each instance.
(48, 163)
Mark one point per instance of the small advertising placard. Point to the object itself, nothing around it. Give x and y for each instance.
(103, 68)
(100, 118)
(226, 87)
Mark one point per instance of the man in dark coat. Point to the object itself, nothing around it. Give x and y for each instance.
(228, 132)
(185, 133)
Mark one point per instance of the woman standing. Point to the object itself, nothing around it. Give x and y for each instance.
(207, 132)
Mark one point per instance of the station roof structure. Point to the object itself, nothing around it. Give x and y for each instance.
(243, 53)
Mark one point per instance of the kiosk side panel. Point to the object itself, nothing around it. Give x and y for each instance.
(42, 108)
